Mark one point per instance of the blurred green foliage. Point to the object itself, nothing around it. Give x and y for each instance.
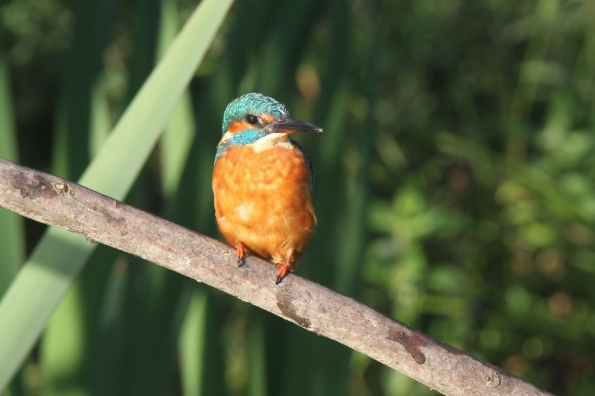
(454, 189)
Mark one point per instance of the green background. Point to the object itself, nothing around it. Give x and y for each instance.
(454, 187)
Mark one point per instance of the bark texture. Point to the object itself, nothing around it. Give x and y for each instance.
(62, 203)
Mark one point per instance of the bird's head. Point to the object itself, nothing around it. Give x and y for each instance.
(254, 116)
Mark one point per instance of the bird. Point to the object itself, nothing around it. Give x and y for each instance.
(263, 182)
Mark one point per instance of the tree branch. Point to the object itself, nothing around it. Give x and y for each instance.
(61, 203)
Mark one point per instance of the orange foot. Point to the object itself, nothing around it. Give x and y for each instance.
(284, 268)
(241, 253)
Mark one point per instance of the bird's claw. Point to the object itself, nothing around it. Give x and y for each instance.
(283, 270)
(241, 253)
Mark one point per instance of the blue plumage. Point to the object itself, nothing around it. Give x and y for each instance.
(255, 104)
(262, 183)
(248, 136)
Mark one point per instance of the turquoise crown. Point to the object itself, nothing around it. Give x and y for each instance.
(255, 104)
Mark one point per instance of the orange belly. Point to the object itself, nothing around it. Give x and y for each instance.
(264, 200)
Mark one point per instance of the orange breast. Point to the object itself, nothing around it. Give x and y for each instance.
(264, 200)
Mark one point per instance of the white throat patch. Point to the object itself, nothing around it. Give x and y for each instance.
(271, 140)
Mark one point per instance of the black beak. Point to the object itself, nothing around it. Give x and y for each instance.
(289, 125)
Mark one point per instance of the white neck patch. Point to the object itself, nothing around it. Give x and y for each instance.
(271, 140)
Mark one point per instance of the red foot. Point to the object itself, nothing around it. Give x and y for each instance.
(289, 265)
(283, 270)
(241, 253)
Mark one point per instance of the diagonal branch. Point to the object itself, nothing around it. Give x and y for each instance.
(61, 203)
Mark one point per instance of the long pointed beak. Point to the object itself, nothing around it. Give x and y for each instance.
(289, 125)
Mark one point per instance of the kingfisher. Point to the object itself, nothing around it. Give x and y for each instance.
(262, 183)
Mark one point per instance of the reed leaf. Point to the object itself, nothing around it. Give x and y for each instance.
(58, 258)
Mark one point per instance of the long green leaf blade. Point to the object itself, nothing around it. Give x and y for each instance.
(59, 256)
(12, 235)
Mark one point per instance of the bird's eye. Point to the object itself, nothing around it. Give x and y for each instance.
(251, 119)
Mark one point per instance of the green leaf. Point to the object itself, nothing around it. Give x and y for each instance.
(58, 258)
(12, 233)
